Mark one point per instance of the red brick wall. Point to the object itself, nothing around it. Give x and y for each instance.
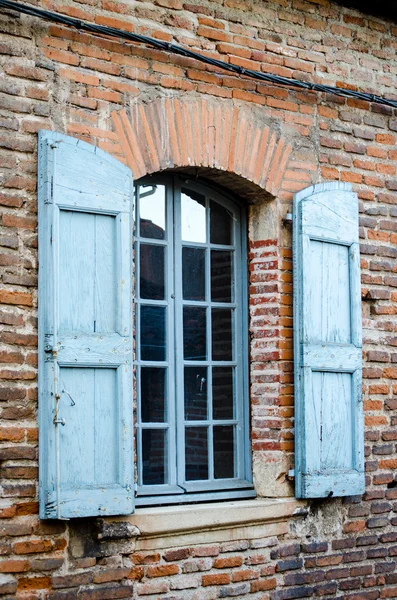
(131, 100)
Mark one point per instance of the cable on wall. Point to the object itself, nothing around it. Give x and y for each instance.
(181, 51)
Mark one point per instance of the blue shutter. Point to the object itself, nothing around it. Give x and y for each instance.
(85, 322)
(327, 343)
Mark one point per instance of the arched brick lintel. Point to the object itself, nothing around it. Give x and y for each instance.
(170, 133)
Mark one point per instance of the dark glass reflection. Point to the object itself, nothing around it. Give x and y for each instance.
(194, 333)
(154, 453)
(193, 273)
(223, 451)
(222, 348)
(195, 390)
(152, 211)
(221, 276)
(220, 224)
(222, 393)
(153, 333)
(196, 453)
(153, 403)
(151, 272)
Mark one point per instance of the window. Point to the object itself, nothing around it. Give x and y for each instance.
(190, 339)
(191, 347)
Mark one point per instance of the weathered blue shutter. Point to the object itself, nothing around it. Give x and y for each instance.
(85, 322)
(327, 332)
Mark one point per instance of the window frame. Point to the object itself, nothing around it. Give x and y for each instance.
(240, 486)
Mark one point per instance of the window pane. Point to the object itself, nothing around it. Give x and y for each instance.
(193, 273)
(220, 224)
(194, 333)
(223, 452)
(222, 348)
(154, 456)
(152, 211)
(202, 242)
(153, 333)
(151, 272)
(221, 276)
(195, 388)
(196, 453)
(193, 217)
(153, 402)
(222, 393)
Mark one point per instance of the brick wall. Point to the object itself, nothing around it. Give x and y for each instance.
(131, 100)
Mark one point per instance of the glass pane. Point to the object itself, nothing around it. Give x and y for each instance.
(193, 273)
(153, 333)
(154, 456)
(193, 216)
(152, 211)
(153, 395)
(220, 224)
(194, 333)
(195, 388)
(223, 451)
(221, 276)
(152, 272)
(222, 347)
(196, 453)
(222, 393)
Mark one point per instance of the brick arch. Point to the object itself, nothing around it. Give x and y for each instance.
(170, 133)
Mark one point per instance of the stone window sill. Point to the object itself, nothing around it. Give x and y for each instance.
(170, 526)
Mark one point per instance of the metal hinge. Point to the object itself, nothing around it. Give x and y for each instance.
(50, 197)
(52, 351)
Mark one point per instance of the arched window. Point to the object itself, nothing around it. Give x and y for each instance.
(191, 343)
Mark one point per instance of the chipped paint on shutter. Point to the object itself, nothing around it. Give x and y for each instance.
(327, 343)
(85, 330)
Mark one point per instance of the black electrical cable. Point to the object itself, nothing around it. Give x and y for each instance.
(174, 49)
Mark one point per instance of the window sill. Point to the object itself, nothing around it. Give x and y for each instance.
(170, 526)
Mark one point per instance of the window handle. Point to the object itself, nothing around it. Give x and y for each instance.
(200, 382)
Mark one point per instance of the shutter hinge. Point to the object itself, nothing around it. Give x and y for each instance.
(50, 349)
(291, 475)
(52, 352)
(48, 346)
(50, 197)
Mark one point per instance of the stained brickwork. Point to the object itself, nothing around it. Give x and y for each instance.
(156, 111)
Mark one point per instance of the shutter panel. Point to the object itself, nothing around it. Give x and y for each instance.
(85, 322)
(327, 343)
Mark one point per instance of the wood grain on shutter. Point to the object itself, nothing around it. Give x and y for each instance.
(327, 343)
(85, 323)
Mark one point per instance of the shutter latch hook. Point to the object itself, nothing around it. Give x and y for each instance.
(72, 402)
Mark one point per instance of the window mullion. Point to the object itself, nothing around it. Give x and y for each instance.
(178, 312)
(172, 383)
(209, 351)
